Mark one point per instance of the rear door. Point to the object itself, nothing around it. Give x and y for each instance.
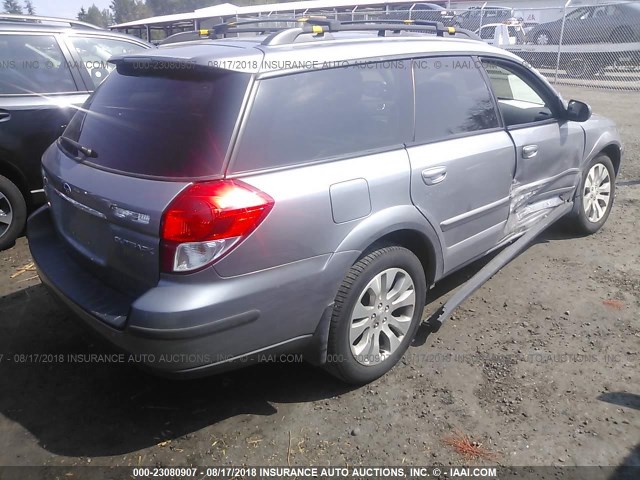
(548, 148)
(38, 97)
(462, 160)
(150, 132)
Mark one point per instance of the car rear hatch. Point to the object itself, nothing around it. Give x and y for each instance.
(145, 134)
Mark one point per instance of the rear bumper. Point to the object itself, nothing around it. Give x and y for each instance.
(190, 329)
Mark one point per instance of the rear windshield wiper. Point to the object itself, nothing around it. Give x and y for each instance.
(88, 152)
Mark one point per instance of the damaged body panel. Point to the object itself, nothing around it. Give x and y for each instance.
(548, 159)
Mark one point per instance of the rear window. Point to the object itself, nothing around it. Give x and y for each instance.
(173, 125)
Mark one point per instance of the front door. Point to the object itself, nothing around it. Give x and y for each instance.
(549, 149)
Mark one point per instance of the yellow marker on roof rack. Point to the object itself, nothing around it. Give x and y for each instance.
(409, 22)
(451, 30)
(203, 31)
(317, 29)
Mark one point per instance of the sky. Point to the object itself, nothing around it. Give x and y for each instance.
(65, 8)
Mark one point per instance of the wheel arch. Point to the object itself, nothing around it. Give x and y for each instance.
(416, 242)
(14, 174)
(613, 152)
(403, 226)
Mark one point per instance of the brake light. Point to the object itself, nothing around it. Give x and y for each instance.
(206, 220)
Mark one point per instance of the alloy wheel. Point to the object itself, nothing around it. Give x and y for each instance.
(596, 194)
(382, 316)
(6, 214)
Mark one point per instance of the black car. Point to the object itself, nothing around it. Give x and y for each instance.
(609, 23)
(475, 17)
(422, 11)
(48, 68)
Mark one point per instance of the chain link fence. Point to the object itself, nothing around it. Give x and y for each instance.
(595, 45)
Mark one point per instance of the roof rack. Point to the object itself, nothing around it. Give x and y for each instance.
(384, 25)
(236, 26)
(320, 25)
(30, 19)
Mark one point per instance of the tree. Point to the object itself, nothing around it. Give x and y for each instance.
(12, 6)
(166, 7)
(95, 16)
(129, 10)
(28, 5)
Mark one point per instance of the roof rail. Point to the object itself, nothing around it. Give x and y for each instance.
(320, 25)
(382, 25)
(236, 26)
(28, 19)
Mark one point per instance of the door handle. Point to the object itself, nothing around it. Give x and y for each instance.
(529, 151)
(435, 175)
(4, 116)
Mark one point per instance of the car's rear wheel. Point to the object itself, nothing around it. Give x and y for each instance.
(542, 38)
(13, 212)
(377, 311)
(594, 197)
(581, 67)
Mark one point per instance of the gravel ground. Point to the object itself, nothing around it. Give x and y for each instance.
(540, 366)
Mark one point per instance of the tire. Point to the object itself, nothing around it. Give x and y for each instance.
(13, 213)
(581, 67)
(542, 38)
(351, 357)
(585, 217)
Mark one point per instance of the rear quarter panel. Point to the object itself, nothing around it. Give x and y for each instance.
(309, 219)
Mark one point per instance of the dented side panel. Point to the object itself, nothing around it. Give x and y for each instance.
(548, 170)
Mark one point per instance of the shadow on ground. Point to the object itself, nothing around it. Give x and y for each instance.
(99, 409)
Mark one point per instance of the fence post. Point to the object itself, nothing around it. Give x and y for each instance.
(482, 13)
(564, 19)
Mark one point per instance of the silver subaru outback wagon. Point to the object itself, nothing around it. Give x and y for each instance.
(301, 190)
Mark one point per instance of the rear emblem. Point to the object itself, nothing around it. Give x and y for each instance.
(67, 188)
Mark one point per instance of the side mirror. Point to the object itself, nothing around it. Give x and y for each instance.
(578, 111)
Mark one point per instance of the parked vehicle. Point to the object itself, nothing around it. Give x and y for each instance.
(422, 11)
(502, 33)
(475, 17)
(227, 200)
(48, 68)
(619, 23)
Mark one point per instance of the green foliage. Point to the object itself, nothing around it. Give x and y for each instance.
(30, 9)
(101, 18)
(129, 10)
(11, 6)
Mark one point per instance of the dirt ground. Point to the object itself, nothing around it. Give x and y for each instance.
(540, 366)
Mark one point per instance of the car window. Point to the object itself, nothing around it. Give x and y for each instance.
(518, 101)
(487, 33)
(33, 64)
(605, 11)
(580, 14)
(95, 53)
(320, 114)
(451, 98)
(161, 122)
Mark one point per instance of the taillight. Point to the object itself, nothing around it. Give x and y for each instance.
(206, 220)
